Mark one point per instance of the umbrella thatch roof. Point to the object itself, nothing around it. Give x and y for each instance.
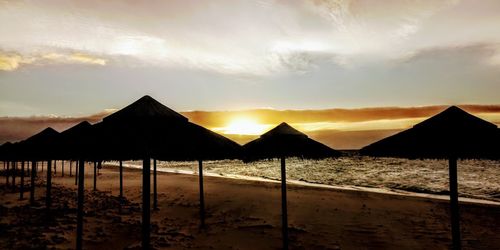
(73, 142)
(189, 141)
(452, 132)
(148, 128)
(40, 146)
(7, 151)
(144, 110)
(285, 141)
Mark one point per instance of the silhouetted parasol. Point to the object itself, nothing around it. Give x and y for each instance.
(450, 134)
(281, 142)
(69, 145)
(76, 143)
(8, 152)
(41, 147)
(147, 129)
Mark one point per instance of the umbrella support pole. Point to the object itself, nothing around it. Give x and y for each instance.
(155, 193)
(455, 217)
(14, 168)
(21, 188)
(121, 179)
(7, 173)
(284, 211)
(32, 183)
(48, 199)
(79, 216)
(202, 195)
(76, 171)
(55, 167)
(95, 175)
(146, 202)
(62, 168)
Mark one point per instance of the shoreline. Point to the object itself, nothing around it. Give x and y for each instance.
(386, 191)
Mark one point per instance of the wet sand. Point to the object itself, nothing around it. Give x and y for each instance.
(241, 214)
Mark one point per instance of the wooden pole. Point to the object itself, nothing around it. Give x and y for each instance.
(455, 217)
(21, 189)
(146, 192)
(55, 167)
(202, 194)
(76, 171)
(95, 175)
(32, 183)
(121, 179)
(155, 194)
(62, 168)
(79, 216)
(43, 163)
(14, 170)
(284, 211)
(48, 200)
(7, 173)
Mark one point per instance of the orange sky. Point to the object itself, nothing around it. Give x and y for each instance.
(338, 128)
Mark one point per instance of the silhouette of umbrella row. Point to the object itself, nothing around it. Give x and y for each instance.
(146, 129)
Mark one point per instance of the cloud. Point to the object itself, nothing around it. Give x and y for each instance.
(487, 53)
(271, 116)
(231, 37)
(12, 61)
(20, 128)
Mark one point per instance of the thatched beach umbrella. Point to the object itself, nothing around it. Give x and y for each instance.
(69, 144)
(450, 134)
(41, 147)
(7, 154)
(147, 129)
(10, 153)
(14, 151)
(73, 142)
(78, 144)
(281, 142)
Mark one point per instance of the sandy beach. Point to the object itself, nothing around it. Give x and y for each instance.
(241, 214)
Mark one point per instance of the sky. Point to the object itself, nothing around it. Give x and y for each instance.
(70, 59)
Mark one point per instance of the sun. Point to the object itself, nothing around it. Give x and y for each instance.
(244, 126)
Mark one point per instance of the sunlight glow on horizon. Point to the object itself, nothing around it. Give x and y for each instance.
(243, 126)
(251, 127)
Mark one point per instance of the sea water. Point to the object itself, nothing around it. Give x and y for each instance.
(476, 178)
